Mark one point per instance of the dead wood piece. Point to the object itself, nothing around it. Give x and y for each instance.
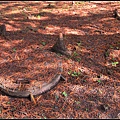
(59, 46)
(32, 99)
(116, 14)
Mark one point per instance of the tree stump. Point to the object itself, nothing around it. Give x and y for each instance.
(116, 14)
(59, 46)
(3, 30)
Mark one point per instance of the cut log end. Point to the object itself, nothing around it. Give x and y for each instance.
(61, 36)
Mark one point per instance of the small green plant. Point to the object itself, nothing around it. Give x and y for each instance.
(14, 49)
(27, 9)
(74, 73)
(77, 102)
(8, 102)
(117, 48)
(56, 97)
(79, 2)
(84, 81)
(115, 63)
(59, 54)
(64, 94)
(75, 53)
(106, 54)
(79, 44)
(78, 59)
(43, 43)
(44, 117)
(13, 109)
(99, 81)
(38, 16)
(86, 109)
(69, 72)
(111, 46)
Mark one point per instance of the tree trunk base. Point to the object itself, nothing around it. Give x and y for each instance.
(116, 14)
(3, 30)
(59, 46)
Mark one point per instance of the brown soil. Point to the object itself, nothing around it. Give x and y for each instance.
(92, 85)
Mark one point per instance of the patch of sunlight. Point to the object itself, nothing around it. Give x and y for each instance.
(84, 50)
(10, 44)
(89, 6)
(17, 41)
(103, 8)
(6, 44)
(74, 31)
(77, 88)
(106, 19)
(52, 28)
(85, 70)
(3, 60)
(38, 17)
(44, 65)
(12, 12)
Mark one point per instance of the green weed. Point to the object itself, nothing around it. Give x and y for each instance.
(14, 49)
(77, 102)
(74, 73)
(56, 97)
(99, 81)
(38, 16)
(87, 109)
(43, 43)
(115, 63)
(8, 102)
(106, 54)
(44, 117)
(75, 53)
(117, 48)
(79, 2)
(78, 59)
(79, 44)
(64, 94)
(111, 47)
(59, 54)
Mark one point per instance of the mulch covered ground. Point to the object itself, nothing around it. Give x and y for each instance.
(92, 85)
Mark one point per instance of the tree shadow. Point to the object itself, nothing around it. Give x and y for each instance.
(66, 21)
(94, 39)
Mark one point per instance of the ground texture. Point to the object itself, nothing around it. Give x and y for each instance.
(92, 72)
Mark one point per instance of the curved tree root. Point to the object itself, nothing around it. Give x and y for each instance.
(34, 91)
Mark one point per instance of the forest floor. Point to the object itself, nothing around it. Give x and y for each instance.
(92, 74)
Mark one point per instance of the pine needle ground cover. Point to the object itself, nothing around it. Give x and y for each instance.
(92, 73)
